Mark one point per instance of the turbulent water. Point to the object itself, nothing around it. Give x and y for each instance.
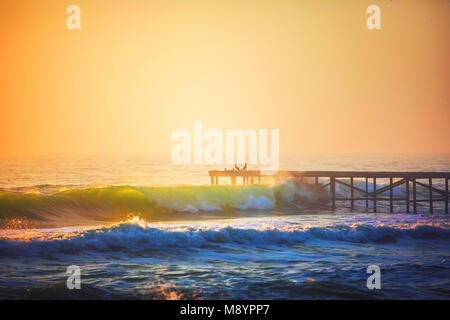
(143, 232)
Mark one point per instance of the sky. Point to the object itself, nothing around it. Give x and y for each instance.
(139, 69)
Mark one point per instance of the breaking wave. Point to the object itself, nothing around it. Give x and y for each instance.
(138, 236)
(49, 207)
(113, 203)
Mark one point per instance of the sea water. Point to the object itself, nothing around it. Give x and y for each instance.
(140, 227)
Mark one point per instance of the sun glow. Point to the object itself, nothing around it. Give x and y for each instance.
(137, 70)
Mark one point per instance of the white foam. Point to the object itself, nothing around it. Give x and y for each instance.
(259, 203)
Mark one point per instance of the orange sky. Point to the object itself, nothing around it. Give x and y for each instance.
(138, 69)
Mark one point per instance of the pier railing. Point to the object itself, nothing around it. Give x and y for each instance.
(411, 180)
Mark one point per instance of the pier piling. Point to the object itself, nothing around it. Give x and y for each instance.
(430, 182)
(374, 194)
(367, 193)
(356, 193)
(391, 200)
(446, 196)
(333, 192)
(407, 195)
(351, 194)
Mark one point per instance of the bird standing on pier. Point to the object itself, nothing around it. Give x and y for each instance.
(239, 169)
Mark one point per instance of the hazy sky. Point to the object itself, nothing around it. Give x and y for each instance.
(138, 69)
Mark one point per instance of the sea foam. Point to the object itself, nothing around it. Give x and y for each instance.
(137, 236)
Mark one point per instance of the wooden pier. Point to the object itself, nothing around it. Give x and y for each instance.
(347, 178)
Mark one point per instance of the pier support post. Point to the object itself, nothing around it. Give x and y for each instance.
(407, 195)
(351, 194)
(446, 195)
(367, 194)
(391, 200)
(412, 197)
(333, 192)
(374, 194)
(430, 193)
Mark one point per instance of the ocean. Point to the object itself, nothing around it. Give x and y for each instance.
(139, 227)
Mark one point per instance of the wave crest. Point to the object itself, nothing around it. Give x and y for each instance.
(153, 203)
(137, 236)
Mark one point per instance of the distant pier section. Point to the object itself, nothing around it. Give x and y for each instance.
(410, 180)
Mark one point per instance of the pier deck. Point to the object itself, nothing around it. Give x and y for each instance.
(346, 179)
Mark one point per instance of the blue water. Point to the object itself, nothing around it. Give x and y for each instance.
(289, 257)
(164, 241)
